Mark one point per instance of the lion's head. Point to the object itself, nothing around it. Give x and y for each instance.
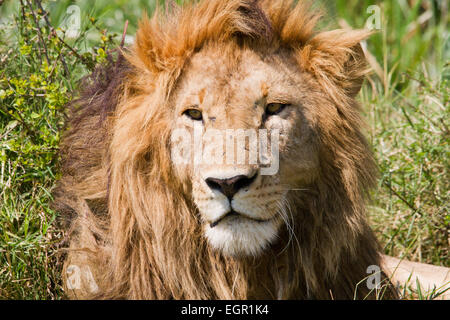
(230, 99)
(231, 162)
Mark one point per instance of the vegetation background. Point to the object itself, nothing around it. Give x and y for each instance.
(406, 103)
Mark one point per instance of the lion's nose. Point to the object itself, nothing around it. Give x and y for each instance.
(229, 187)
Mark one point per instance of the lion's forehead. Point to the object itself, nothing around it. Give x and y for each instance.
(214, 80)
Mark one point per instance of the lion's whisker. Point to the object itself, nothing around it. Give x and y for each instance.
(288, 207)
(283, 206)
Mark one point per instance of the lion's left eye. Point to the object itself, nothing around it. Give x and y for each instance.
(275, 108)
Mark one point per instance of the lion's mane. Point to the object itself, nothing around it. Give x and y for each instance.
(134, 224)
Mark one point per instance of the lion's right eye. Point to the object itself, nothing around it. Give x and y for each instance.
(194, 114)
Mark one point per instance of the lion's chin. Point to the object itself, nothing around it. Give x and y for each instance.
(237, 236)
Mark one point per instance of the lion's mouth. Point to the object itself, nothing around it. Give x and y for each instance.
(237, 214)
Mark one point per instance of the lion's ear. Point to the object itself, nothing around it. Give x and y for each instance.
(355, 69)
(147, 48)
(337, 60)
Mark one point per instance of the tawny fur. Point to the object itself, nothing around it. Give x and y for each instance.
(132, 220)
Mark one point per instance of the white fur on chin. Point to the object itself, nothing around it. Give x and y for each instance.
(238, 236)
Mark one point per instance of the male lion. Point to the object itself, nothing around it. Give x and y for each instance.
(143, 226)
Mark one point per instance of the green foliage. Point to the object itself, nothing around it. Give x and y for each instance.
(406, 101)
(410, 134)
(38, 71)
(412, 32)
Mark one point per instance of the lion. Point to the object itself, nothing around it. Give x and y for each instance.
(144, 226)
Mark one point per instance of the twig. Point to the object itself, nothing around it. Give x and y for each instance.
(22, 27)
(22, 121)
(124, 34)
(122, 43)
(53, 31)
(423, 84)
(402, 198)
(39, 31)
(45, 14)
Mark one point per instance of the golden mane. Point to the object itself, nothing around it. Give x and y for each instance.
(133, 222)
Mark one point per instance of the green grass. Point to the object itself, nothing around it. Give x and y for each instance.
(406, 103)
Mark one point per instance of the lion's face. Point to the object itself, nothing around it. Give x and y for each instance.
(228, 104)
